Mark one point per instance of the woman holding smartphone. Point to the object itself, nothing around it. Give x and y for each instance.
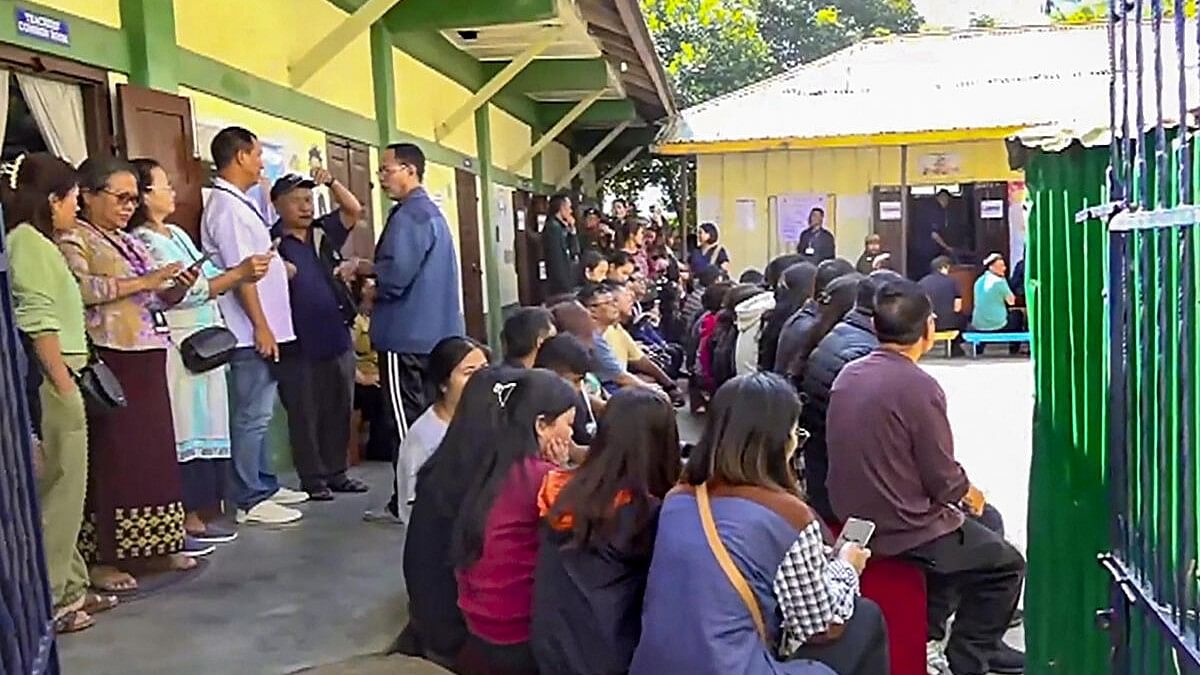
(199, 401)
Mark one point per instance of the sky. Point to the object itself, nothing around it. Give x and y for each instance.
(957, 13)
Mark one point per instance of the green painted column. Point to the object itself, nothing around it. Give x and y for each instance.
(538, 171)
(153, 54)
(491, 279)
(383, 76)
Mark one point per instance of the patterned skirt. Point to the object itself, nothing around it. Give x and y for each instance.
(135, 496)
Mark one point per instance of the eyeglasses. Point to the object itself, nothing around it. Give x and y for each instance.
(123, 198)
(387, 169)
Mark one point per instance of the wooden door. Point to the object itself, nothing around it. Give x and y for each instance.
(887, 207)
(539, 208)
(524, 222)
(159, 125)
(349, 162)
(989, 212)
(469, 253)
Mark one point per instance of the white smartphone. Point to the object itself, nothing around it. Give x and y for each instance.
(856, 530)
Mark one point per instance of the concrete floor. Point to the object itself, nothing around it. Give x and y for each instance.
(325, 595)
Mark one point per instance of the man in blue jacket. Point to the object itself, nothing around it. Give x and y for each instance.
(419, 299)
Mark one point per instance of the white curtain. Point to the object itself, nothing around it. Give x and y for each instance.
(3, 104)
(58, 109)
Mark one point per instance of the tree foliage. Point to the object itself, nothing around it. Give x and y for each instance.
(1097, 10)
(800, 31)
(983, 21)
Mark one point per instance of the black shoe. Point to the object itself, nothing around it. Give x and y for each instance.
(322, 494)
(1007, 661)
(1017, 619)
(349, 485)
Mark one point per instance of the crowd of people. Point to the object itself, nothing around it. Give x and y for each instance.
(554, 522)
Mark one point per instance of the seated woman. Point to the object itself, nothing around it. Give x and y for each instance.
(598, 526)
(740, 580)
(566, 356)
(494, 541)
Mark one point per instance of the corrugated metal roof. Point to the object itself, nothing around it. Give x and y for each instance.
(1045, 77)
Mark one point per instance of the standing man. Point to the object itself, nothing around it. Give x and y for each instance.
(891, 461)
(231, 229)
(419, 296)
(817, 243)
(934, 232)
(560, 246)
(316, 372)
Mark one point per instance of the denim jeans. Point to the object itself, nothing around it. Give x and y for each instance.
(252, 401)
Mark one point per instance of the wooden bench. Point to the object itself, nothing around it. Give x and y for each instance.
(946, 338)
(976, 339)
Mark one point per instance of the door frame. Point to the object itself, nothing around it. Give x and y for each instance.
(470, 254)
(98, 117)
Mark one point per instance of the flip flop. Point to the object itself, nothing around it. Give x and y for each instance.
(95, 603)
(112, 586)
(73, 622)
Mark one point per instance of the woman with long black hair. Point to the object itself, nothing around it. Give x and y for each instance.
(597, 533)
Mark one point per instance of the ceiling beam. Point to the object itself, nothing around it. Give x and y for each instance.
(603, 113)
(555, 75)
(304, 66)
(415, 15)
(629, 157)
(596, 150)
(490, 88)
(560, 126)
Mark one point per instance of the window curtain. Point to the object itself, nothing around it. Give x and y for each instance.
(3, 104)
(58, 109)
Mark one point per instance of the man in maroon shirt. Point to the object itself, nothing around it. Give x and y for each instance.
(891, 461)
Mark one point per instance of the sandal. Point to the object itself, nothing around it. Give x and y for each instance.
(112, 580)
(73, 622)
(349, 485)
(95, 603)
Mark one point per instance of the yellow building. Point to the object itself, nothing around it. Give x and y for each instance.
(873, 132)
(510, 101)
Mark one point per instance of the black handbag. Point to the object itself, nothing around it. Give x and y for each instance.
(207, 349)
(101, 389)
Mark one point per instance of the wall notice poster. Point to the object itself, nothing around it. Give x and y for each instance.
(991, 209)
(940, 164)
(746, 211)
(793, 212)
(891, 211)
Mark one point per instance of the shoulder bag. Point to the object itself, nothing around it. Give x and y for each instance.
(727, 565)
(208, 348)
(101, 389)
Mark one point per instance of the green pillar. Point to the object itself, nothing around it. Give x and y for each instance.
(383, 77)
(491, 266)
(538, 172)
(153, 55)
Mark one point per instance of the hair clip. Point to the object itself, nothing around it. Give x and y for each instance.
(12, 169)
(503, 392)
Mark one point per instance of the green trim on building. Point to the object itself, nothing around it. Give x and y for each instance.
(491, 281)
(604, 112)
(440, 15)
(92, 43)
(153, 54)
(547, 75)
(383, 76)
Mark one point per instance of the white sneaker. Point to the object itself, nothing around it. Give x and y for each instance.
(935, 659)
(286, 497)
(268, 512)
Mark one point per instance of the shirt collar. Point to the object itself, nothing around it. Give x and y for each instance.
(418, 191)
(222, 183)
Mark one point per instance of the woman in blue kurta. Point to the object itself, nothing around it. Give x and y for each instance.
(199, 401)
(811, 620)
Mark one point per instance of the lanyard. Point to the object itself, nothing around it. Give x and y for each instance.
(136, 264)
(245, 202)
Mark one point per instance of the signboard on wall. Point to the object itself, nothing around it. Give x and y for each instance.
(935, 164)
(793, 213)
(42, 27)
(891, 211)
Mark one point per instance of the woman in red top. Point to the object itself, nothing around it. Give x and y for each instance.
(494, 542)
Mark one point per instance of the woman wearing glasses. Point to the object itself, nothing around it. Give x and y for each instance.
(133, 519)
(199, 401)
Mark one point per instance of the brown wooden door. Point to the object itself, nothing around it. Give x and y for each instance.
(350, 163)
(159, 125)
(989, 212)
(469, 254)
(886, 214)
(539, 207)
(524, 223)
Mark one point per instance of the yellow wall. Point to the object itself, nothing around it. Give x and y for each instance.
(213, 113)
(107, 12)
(425, 98)
(510, 140)
(845, 175)
(262, 36)
(439, 182)
(556, 162)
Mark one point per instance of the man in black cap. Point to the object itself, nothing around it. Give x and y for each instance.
(316, 372)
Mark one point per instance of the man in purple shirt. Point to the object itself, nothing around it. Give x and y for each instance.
(259, 316)
(891, 461)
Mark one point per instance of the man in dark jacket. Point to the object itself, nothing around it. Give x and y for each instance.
(852, 338)
(805, 318)
(560, 246)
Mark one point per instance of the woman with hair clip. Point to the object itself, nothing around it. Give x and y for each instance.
(451, 364)
(597, 533)
(40, 201)
(494, 541)
(741, 580)
(134, 515)
(199, 401)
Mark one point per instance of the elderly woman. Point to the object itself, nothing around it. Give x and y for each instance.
(133, 519)
(199, 401)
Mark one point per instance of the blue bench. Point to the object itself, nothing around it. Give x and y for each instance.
(976, 339)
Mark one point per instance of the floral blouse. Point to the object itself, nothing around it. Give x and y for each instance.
(98, 260)
(198, 309)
